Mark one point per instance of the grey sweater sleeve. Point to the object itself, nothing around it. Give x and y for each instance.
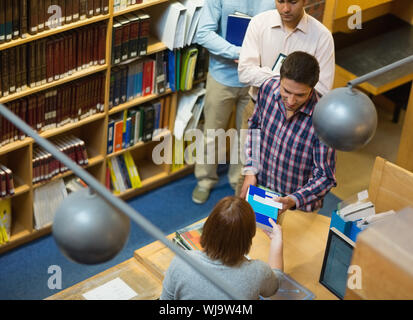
(270, 280)
(169, 282)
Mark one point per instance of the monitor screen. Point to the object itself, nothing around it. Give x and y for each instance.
(337, 259)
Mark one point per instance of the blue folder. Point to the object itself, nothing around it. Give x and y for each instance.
(236, 29)
(262, 211)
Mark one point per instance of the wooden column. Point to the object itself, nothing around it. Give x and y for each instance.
(405, 154)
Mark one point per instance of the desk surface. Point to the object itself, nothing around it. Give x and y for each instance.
(131, 272)
(304, 236)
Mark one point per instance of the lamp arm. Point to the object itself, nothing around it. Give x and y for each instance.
(118, 203)
(380, 71)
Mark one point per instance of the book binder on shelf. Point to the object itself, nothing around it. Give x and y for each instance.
(169, 23)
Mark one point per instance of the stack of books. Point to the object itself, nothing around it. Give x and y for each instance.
(130, 36)
(6, 181)
(45, 166)
(19, 18)
(5, 220)
(189, 238)
(119, 5)
(123, 173)
(51, 59)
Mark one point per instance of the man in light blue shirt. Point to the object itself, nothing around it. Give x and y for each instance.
(223, 88)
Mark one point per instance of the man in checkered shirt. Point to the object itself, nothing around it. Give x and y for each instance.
(283, 152)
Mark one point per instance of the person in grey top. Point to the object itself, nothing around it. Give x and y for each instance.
(226, 239)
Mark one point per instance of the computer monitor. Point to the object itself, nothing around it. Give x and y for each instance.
(337, 259)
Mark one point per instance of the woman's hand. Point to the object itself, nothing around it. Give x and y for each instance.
(275, 256)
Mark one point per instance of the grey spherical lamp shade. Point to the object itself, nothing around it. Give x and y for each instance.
(345, 119)
(88, 230)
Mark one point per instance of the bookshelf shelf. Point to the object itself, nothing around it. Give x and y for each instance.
(48, 33)
(75, 76)
(138, 145)
(17, 234)
(15, 145)
(137, 101)
(21, 189)
(138, 7)
(56, 131)
(92, 162)
(154, 45)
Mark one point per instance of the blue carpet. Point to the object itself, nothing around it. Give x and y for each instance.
(24, 270)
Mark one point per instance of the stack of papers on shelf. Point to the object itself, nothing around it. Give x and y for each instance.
(47, 199)
(185, 112)
(263, 203)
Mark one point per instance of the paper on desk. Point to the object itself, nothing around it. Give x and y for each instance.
(115, 289)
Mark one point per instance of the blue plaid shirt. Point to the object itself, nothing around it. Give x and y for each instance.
(290, 159)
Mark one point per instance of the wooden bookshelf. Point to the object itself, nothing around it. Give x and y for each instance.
(75, 76)
(91, 162)
(18, 155)
(51, 32)
(137, 101)
(139, 6)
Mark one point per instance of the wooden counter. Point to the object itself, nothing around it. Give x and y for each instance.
(304, 236)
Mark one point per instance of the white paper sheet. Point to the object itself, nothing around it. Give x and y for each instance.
(115, 289)
(267, 201)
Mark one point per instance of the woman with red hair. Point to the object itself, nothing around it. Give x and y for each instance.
(226, 240)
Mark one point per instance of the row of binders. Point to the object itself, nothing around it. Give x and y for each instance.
(136, 124)
(119, 5)
(50, 59)
(56, 107)
(130, 36)
(175, 22)
(6, 181)
(20, 18)
(175, 70)
(124, 173)
(45, 166)
(5, 220)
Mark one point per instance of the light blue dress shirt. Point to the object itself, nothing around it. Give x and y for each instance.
(211, 33)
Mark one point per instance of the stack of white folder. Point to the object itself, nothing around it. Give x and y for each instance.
(175, 22)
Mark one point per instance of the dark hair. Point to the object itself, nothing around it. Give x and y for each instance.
(301, 67)
(227, 233)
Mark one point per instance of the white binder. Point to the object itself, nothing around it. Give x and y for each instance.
(169, 21)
